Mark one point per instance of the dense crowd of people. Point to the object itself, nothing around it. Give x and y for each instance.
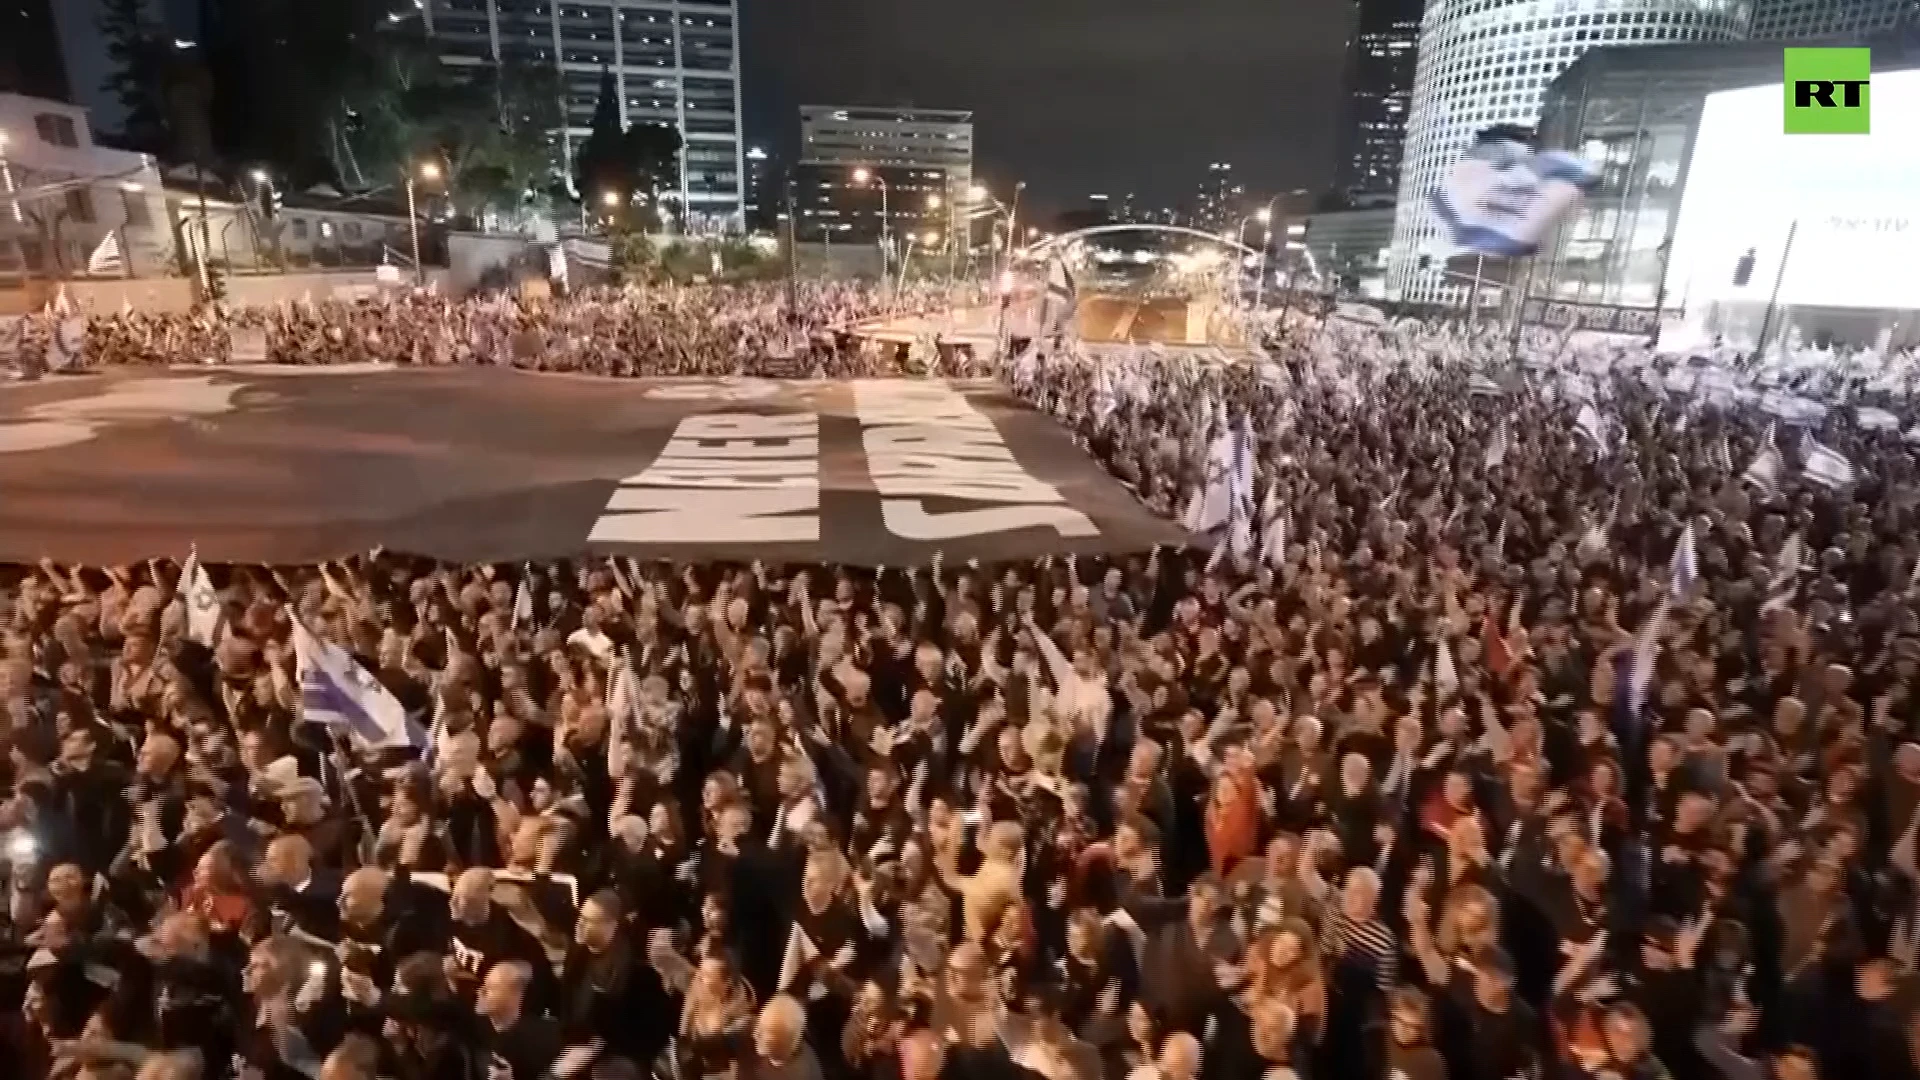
(663, 330)
(1456, 771)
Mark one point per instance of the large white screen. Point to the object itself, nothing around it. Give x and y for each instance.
(1856, 199)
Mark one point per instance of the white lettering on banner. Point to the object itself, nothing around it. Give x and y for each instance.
(926, 440)
(724, 478)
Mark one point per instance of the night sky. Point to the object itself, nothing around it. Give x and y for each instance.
(1072, 96)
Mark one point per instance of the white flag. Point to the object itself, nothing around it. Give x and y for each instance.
(203, 603)
(1592, 426)
(1684, 570)
(107, 259)
(800, 951)
(1446, 678)
(1497, 449)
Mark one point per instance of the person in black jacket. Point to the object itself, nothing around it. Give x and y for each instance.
(612, 993)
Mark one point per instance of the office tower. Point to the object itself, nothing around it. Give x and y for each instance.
(1380, 65)
(921, 159)
(1487, 62)
(674, 62)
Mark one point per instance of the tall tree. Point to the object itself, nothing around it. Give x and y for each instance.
(636, 161)
(138, 50)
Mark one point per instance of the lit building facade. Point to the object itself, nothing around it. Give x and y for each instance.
(1488, 62)
(1636, 113)
(922, 157)
(675, 63)
(1787, 19)
(1380, 69)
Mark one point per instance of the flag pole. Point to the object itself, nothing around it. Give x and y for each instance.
(1780, 275)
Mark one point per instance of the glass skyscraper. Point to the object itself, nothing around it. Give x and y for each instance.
(1380, 67)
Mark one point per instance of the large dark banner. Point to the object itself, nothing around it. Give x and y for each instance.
(286, 466)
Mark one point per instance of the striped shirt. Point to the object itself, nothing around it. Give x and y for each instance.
(1369, 944)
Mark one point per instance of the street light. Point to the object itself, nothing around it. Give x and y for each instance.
(428, 171)
(610, 199)
(978, 193)
(863, 175)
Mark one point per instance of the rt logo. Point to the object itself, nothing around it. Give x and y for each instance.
(1827, 91)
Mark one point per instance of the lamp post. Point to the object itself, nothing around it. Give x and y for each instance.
(428, 171)
(1013, 223)
(1265, 217)
(863, 175)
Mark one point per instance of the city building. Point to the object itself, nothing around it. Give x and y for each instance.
(915, 138)
(1789, 19)
(1349, 248)
(840, 204)
(1488, 62)
(764, 200)
(856, 162)
(31, 62)
(1625, 256)
(62, 196)
(674, 62)
(1215, 198)
(1379, 92)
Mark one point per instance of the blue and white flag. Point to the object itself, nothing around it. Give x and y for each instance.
(336, 691)
(1824, 466)
(1684, 571)
(1764, 473)
(1212, 505)
(1785, 582)
(1501, 198)
(203, 602)
(1240, 491)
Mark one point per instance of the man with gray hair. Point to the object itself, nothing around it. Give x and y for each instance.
(780, 1050)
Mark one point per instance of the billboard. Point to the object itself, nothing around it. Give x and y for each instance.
(1835, 218)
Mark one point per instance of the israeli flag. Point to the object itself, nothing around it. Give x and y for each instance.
(1240, 491)
(1824, 466)
(203, 602)
(336, 691)
(1212, 505)
(1502, 197)
(1764, 473)
(1684, 571)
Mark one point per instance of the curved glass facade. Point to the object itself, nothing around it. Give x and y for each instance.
(1487, 62)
